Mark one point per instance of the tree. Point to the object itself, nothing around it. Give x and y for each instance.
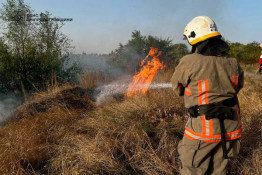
(35, 52)
(129, 56)
(137, 43)
(178, 51)
(248, 53)
(251, 52)
(165, 45)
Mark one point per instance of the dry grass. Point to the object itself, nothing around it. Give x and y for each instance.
(136, 135)
(92, 79)
(249, 67)
(250, 159)
(28, 140)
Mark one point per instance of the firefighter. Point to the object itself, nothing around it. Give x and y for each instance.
(260, 61)
(209, 81)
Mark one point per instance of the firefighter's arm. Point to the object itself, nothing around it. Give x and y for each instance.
(240, 79)
(180, 78)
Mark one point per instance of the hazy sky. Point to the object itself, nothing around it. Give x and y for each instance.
(100, 25)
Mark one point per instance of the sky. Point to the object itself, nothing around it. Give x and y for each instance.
(99, 26)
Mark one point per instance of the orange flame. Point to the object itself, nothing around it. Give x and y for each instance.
(143, 79)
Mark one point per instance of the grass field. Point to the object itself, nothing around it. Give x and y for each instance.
(64, 132)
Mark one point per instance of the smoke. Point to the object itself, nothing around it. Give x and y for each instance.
(8, 103)
(95, 63)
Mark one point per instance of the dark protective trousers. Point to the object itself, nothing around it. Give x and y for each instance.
(204, 158)
(260, 68)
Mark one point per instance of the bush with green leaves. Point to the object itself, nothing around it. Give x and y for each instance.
(246, 53)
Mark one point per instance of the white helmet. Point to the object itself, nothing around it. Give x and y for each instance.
(199, 29)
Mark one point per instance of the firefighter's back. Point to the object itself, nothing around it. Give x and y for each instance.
(211, 78)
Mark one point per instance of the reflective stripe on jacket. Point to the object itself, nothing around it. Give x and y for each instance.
(209, 79)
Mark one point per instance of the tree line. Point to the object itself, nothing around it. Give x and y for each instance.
(128, 56)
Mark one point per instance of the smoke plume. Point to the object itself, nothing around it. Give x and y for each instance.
(8, 102)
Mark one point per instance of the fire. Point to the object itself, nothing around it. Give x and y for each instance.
(143, 79)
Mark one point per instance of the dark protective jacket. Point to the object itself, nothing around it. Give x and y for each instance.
(205, 80)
